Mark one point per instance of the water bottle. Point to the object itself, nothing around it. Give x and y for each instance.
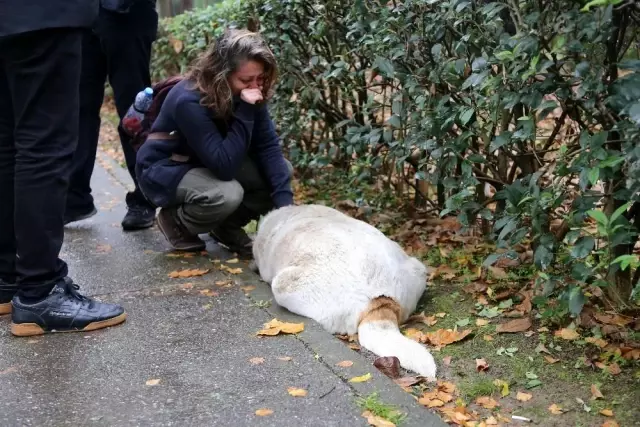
(132, 121)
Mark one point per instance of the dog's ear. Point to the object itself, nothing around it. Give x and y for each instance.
(253, 24)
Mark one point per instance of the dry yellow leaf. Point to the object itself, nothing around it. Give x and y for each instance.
(491, 421)
(567, 334)
(247, 289)
(230, 270)
(276, 327)
(103, 248)
(481, 365)
(446, 386)
(232, 261)
(610, 423)
(188, 273)
(256, 360)
(488, 338)
(555, 409)
(523, 397)
(187, 286)
(486, 402)
(597, 342)
(551, 360)
(377, 421)
(614, 369)
(607, 412)
(345, 364)
(264, 412)
(361, 379)
(297, 392)
(482, 322)
(155, 381)
(595, 392)
(208, 293)
(285, 358)
(441, 315)
(223, 283)
(443, 337)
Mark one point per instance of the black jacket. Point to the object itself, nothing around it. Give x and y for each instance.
(21, 16)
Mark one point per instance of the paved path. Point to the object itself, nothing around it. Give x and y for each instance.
(195, 337)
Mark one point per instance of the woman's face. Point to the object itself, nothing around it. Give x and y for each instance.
(249, 75)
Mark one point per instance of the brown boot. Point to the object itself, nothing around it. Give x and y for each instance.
(176, 233)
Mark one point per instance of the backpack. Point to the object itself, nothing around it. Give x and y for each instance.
(160, 92)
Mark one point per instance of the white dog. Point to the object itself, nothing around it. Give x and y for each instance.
(346, 275)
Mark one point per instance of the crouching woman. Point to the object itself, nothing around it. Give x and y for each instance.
(212, 160)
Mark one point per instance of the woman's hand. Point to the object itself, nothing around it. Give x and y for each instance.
(251, 96)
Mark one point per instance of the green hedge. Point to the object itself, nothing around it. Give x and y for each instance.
(519, 117)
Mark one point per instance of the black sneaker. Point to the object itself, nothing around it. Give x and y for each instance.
(63, 310)
(234, 238)
(74, 216)
(139, 215)
(7, 292)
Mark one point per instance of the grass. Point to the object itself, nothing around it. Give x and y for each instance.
(476, 386)
(373, 404)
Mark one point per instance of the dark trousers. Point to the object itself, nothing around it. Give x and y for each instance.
(39, 99)
(118, 49)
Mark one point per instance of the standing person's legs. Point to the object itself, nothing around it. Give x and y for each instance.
(128, 51)
(7, 165)
(92, 79)
(42, 74)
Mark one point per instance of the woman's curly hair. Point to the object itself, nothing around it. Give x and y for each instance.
(210, 72)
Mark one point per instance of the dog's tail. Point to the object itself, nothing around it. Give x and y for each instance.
(379, 333)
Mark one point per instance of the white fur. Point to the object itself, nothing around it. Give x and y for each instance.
(328, 266)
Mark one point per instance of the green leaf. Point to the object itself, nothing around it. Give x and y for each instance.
(599, 216)
(622, 209)
(576, 300)
(491, 259)
(466, 115)
(594, 175)
(500, 140)
(395, 121)
(583, 247)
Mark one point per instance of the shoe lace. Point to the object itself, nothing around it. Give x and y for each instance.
(71, 291)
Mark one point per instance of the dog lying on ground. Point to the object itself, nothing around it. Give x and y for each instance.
(346, 275)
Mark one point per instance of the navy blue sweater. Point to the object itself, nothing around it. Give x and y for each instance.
(210, 143)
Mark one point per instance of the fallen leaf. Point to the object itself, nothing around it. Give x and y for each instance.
(345, 364)
(481, 365)
(297, 392)
(517, 325)
(103, 248)
(487, 338)
(361, 379)
(276, 327)
(285, 358)
(551, 360)
(567, 334)
(523, 397)
(354, 347)
(376, 421)
(247, 289)
(607, 412)
(442, 337)
(543, 329)
(610, 423)
(529, 334)
(498, 273)
(208, 293)
(447, 361)
(441, 315)
(187, 286)
(482, 322)
(153, 382)
(599, 342)
(230, 270)
(421, 318)
(256, 360)
(458, 415)
(409, 381)
(595, 392)
(613, 319)
(264, 412)
(555, 409)
(486, 402)
(525, 306)
(188, 273)
(503, 385)
(491, 421)
(614, 369)
(541, 348)
(223, 283)
(390, 366)
(445, 386)
(232, 261)
(434, 403)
